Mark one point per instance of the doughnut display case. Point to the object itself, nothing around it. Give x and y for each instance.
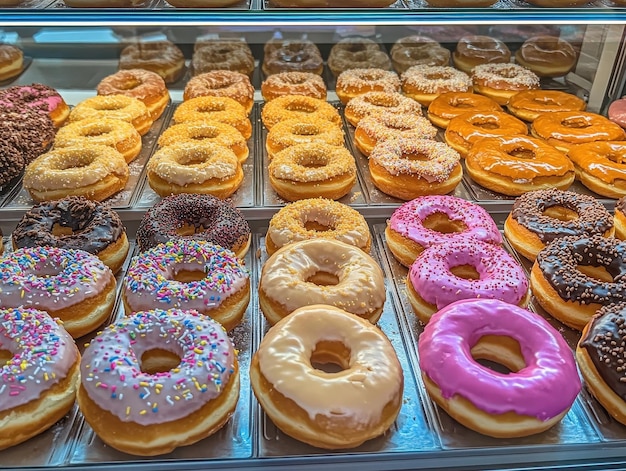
(73, 49)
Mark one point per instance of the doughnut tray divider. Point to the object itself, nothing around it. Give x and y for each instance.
(574, 430)
(244, 197)
(233, 441)
(411, 432)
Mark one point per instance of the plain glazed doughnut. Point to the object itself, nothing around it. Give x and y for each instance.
(424, 83)
(148, 87)
(534, 396)
(530, 104)
(357, 53)
(202, 217)
(209, 108)
(514, 165)
(374, 103)
(298, 106)
(366, 394)
(317, 218)
(292, 56)
(321, 271)
(464, 269)
(38, 97)
(139, 401)
(156, 279)
(75, 223)
(222, 83)
(547, 56)
(599, 166)
(407, 168)
(72, 285)
(194, 167)
(417, 50)
(573, 277)
(162, 57)
(11, 61)
(563, 129)
(475, 50)
(311, 170)
(539, 217)
(452, 104)
(355, 82)
(40, 376)
(121, 107)
(293, 83)
(429, 220)
(93, 171)
(501, 81)
(292, 132)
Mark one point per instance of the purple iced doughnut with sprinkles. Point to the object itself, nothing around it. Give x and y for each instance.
(189, 274)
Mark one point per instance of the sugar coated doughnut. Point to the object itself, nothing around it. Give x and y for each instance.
(122, 107)
(75, 223)
(298, 106)
(321, 271)
(203, 217)
(40, 377)
(539, 217)
(317, 218)
(501, 81)
(534, 396)
(292, 132)
(374, 103)
(293, 83)
(599, 166)
(162, 277)
(157, 380)
(452, 104)
(72, 285)
(210, 108)
(429, 220)
(424, 83)
(39, 97)
(366, 394)
(162, 57)
(530, 104)
(355, 82)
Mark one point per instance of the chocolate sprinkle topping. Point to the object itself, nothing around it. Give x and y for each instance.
(30, 131)
(11, 160)
(620, 204)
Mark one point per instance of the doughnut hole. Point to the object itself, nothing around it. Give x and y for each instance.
(159, 360)
(561, 213)
(61, 231)
(129, 84)
(317, 226)
(440, 222)
(330, 356)
(486, 124)
(187, 276)
(522, 153)
(212, 107)
(306, 129)
(467, 272)
(301, 107)
(5, 356)
(497, 352)
(597, 273)
(576, 122)
(322, 278)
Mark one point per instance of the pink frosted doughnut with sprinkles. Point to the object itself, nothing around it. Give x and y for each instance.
(38, 383)
(157, 380)
(73, 285)
(430, 220)
(189, 274)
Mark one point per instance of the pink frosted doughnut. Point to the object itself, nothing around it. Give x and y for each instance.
(436, 219)
(534, 396)
(445, 273)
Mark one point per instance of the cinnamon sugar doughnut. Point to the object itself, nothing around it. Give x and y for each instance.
(294, 106)
(222, 109)
(293, 83)
(373, 103)
(355, 82)
(162, 57)
(222, 83)
(424, 83)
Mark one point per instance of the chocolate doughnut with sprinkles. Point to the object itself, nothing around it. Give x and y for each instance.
(619, 218)
(197, 217)
(601, 357)
(28, 130)
(573, 277)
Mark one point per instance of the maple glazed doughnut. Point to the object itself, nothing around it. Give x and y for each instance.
(39, 378)
(221, 109)
(379, 127)
(11, 61)
(222, 55)
(317, 218)
(475, 50)
(464, 269)
(122, 107)
(94, 171)
(73, 285)
(321, 271)
(310, 170)
(424, 83)
(38, 97)
(293, 83)
(539, 217)
(429, 220)
(193, 216)
(408, 168)
(292, 56)
(534, 396)
(297, 106)
(139, 402)
(367, 390)
(468, 128)
(514, 165)
(148, 87)
(162, 57)
(117, 134)
(357, 53)
(75, 223)
(372, 103)
(547, 56)
(600, 357)
(599, 166)
(296, 131)
(501, 81)
(452, 104)
(194, 167)
(563, 129)
(207, 131)
(354, 82)
(157, 279)
(573, 277)
(222, 83)
(417, 50)
(530, 104)
(619, 218)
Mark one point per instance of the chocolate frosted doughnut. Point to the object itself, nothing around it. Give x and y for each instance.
(195, 216)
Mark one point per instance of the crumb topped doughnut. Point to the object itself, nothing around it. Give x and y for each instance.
(501, 81)
(192, 216)
(292, 132)
(298, 106)
(424, 83)
(293, 83)
(150, 411)
(355, 82)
